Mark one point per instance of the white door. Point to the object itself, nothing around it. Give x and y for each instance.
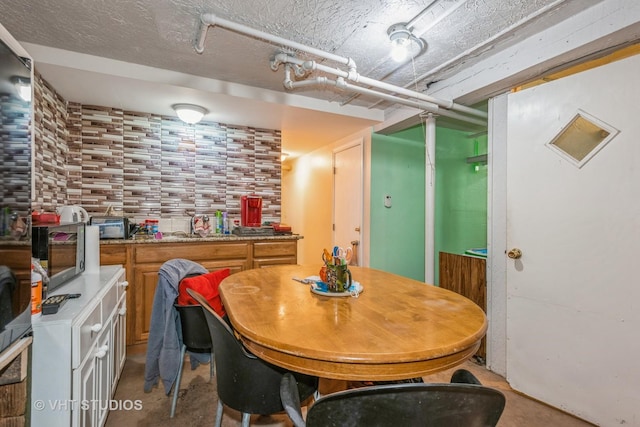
(347, 191)
(573, 298)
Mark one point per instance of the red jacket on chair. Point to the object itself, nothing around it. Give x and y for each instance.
(207, 286)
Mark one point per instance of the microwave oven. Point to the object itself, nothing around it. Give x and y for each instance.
(61, 251)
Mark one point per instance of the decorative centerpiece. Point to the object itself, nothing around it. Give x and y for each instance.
(335, 272)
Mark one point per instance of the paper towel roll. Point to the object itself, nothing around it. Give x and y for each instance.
(92, 249)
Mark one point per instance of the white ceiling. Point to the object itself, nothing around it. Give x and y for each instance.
(139, 55)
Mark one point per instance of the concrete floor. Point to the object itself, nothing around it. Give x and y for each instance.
(197, 403)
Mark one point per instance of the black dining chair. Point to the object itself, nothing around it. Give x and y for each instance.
(464, 404)
(195, 339)
(245, 382)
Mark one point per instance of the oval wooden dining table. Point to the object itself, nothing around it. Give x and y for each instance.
(397, 328)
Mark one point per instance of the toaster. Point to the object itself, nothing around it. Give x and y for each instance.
(111, 227)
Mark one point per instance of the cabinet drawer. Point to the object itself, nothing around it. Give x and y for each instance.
(113, 254)
(159, 253)
(268, 249)
(85, 334)
(109, 302)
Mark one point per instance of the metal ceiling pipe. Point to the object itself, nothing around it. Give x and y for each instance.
(354, 76)
(416, 104)
(210, 19)
(340, 83)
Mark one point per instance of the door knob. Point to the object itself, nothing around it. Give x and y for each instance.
(357, 229)
(514, 253)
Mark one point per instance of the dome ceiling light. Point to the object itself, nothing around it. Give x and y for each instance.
(189, 113)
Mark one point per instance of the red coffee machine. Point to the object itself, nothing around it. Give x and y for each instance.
(251, 210)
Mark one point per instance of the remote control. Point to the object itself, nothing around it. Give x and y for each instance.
(52, 304)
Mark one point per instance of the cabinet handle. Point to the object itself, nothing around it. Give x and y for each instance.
(96, 327)
(124, 284)
(102, 352)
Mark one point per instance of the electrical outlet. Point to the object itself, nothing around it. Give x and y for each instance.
(387, 201)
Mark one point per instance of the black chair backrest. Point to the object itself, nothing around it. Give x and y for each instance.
(245, 382)
(195, 330)
(431, 405)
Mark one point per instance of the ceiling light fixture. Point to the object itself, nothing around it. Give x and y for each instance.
(403, 43)
(189, 113)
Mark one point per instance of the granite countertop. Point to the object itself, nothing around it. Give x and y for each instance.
(181, 238)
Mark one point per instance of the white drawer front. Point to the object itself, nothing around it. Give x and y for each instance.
(122, 284)
(85, 334)
(109, 302)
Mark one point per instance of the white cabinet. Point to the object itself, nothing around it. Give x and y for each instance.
(119, 334)
(79, 352)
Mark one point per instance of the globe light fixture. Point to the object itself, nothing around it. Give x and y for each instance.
(403, 43)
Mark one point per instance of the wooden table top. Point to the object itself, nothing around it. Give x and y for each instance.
(398, 328)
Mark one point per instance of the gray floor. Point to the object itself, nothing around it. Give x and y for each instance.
(197, 403)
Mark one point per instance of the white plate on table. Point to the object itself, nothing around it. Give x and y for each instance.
(321, 288)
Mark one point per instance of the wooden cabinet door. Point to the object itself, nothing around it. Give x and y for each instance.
(141, 296)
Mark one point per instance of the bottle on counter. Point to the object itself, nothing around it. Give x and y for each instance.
(219, 222)
(36, 292)
(225, 223)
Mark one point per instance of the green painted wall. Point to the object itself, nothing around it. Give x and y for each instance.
(461, 193)
(397, 233)
(397, 168)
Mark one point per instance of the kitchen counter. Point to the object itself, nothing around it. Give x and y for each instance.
(181, 238)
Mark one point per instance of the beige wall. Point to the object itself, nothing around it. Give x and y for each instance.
(307, 198)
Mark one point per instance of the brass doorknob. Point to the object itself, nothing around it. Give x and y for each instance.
(514, 253)
(357, 229)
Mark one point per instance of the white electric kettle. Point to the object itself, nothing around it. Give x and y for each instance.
(73, 214)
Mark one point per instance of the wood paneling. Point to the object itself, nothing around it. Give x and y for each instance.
(467, 276)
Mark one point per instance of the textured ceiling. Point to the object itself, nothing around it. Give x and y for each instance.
(161, 33)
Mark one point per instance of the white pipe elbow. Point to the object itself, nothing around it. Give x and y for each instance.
(351, 64)
(353, 75)
(206, 19)
(309, 65)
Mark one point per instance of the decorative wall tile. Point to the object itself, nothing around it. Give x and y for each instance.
(210, 168)
(145, 165)
(51, 148)
(74, 154)
(142, 167)
(15, 150)
(102, 157)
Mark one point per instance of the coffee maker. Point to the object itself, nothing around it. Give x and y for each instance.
(251, 210)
